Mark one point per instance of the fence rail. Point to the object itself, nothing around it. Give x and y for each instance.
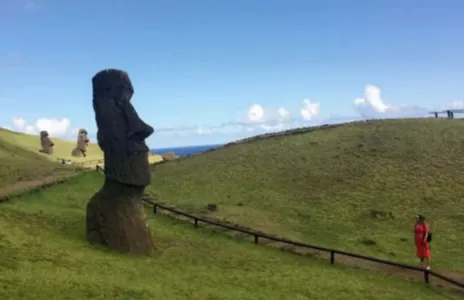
(333, 252)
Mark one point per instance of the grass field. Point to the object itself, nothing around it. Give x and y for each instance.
(21, 161)
(62, 148)
(44, 255)
(356, 187)
(19, 164)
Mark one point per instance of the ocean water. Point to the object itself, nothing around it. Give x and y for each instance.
(184, 151)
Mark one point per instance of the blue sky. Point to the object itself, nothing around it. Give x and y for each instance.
(213, 71)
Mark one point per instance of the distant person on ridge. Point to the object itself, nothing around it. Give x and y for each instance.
(422, 237)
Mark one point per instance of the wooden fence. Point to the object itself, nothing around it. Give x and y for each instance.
(333, 252)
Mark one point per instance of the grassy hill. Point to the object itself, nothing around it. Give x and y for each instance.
(21, 161)
(62, 148)
(44, 255)
(354, 187)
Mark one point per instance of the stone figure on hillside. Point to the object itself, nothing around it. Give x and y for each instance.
(115, 215)
(169, 156)
(46, 143)
(82, 144)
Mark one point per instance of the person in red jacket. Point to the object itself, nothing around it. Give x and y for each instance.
(421, 232)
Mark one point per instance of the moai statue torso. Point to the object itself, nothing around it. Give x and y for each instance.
(121, 133)
(82, 144)
(46, 143)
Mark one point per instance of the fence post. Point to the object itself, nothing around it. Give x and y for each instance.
(196, 223)
(154, 208)
(426, 276)
(332, 257)
(256, 239)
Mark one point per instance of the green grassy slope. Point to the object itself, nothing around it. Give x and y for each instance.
(18, 164)
(337, 187)
(44, 255)
(21, 161)
(62, 148)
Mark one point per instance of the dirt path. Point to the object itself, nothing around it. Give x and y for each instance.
(31, 184)
(341, 259)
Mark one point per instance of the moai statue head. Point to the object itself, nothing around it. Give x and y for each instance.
(46, 143)
(121, 133)
(82, 140)
(82, 144)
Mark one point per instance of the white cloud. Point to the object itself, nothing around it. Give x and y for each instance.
(256, 118)
(19, 124)
(454, 105)
(75, 132)
(283, 113)
(261, 119)
(372, 102)
(310, 110)
(30, 129)
(373, 106)
(55, 127)
(255, 113)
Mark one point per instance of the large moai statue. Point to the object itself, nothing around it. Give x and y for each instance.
(82, 144)
(115, 215)
(46, 143)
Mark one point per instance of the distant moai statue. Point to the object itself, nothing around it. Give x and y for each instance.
(82, 144)
(46, 143)
(169, 156)
(115, 215)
